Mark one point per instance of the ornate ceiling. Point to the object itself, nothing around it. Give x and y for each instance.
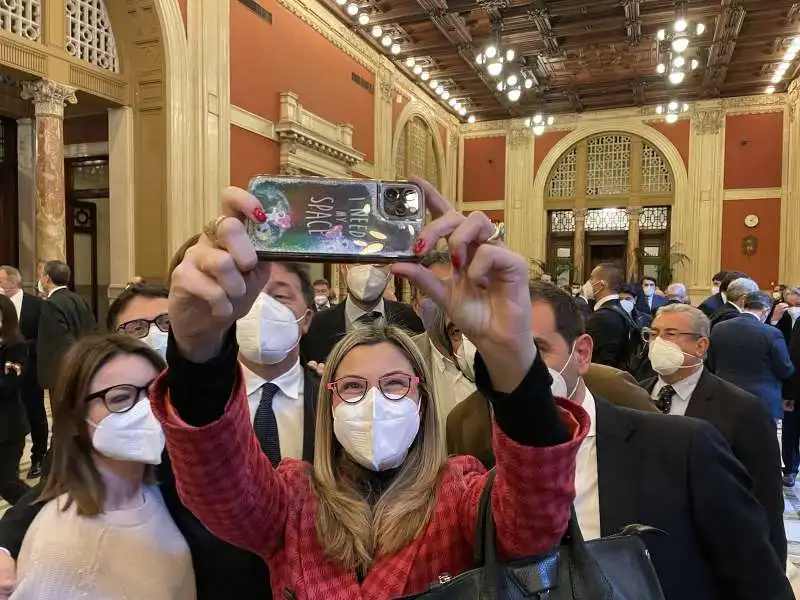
(581, 55)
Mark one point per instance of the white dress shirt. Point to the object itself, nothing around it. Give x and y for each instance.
(16, 300)
(288, 405)
(353, 313)
(683, 392)
(608, 298)
(449, 384)
(587, 495)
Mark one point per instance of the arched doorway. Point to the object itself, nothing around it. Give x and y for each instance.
(609, 198)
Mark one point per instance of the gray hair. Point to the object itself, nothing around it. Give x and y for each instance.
(678, 290)
(12, 273)
(699, 323)
(791, 291)
(757, 301)
(739, 288)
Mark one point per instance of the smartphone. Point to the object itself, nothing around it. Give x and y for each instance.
(314, 219)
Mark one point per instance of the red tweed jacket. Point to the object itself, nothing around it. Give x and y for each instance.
(224, 478)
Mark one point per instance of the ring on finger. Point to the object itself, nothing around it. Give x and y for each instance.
(211, 229)
(499, 234)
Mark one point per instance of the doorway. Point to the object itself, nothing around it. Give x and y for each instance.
(606, 251)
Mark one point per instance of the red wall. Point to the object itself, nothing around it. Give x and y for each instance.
(484, 169)
(288, 56)
(494, 215)
(763, 265)
(543, 144)
(182, 5)
(677, 133)
(753, 151)
(252, 154)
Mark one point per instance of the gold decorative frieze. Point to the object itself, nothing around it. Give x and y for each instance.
(99, 83)
(21, 56)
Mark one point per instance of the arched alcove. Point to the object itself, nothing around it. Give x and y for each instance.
(417, 147)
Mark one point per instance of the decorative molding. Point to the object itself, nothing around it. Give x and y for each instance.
(708, 121)
(747, 105)
(519, 137)
(365, 169)
(28, 57)
(484, 206)
(86, 150)
(753, 194)
(49, 97)
(253, 123)
(482, 135)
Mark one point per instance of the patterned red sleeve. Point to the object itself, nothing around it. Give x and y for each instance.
(222, 475)
(533, 489)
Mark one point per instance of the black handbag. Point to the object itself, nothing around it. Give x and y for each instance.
(611, 568)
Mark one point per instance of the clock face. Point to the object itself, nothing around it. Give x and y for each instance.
(751, 220)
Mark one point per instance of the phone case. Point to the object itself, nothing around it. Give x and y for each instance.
(317, 219)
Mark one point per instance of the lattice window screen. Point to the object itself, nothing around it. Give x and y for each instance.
(562, 181)
(656, 174)
(22, 18)
(417, 137)
(562, 221)
(431, 164)
(607, 219)
(89, 34)
(608, 165)
(654, 218)
(401, 158)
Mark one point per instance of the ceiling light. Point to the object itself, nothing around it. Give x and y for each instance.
(659, 110)
(681, 25)
(500, 86)
(776, 78)
(676, 77)
(462, 111)
(514, 94)
(417, 69)
(433, 83)
(363, 18)
(661, 35)
(672, 111)
(784, 66)
(510, 55)
(452, 102)
(537, 119)
(352, 9)
(661, 68)
(700, 29)
(672, 106)
(770, 89)
(679, 61)
(695, 64)
(471, 119)
(494, 68)
(439, 90)
(386, 40)
(377, 31)
(671, 118)
(551, 119)
(424, 76)
(341, 2)
(445, 95)
(538, 130)
(490, 52)
(680, 44)
(512, 79)
(395, 49)
(410, 62)
(790, 55)
(528, 84)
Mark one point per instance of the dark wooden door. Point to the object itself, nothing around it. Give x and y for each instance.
(9, 203)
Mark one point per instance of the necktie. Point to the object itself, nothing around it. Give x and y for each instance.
(266, 425)
(664, 400)
(369, 318)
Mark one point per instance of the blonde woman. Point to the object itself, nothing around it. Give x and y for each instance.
(382, 512)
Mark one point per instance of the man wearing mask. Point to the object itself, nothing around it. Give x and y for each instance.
(322, 295)
(785, 312)
(734, 288)
(752, 355)
(716, 299)
(678, 342)
(649, 302)
(627, 300)
(609, 325)
(676, 294)
(695, 489)
(364, 304)
(580, 300)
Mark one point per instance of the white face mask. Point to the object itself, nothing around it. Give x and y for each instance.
(320, 300)
(268, 332)
(157, 340)
(366, 282)
(667, 357)
(648, 290)
(559, 386)
(377, 432)
(135, 435)
(794, 312)
(714, 290)
(628, 305)
(588, 290)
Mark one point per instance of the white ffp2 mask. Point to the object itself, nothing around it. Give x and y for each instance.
(667, 357)
(377, 432)
(268, 332)
(134, 436)
(366, 282)
(157, 340)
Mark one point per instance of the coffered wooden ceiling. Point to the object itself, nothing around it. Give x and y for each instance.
(585, 54)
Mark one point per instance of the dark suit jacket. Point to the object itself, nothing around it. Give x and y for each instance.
(610, 335)
(329, 326)
(583, 304)
(29, 316)
(754, 357)
(642, 306)
(725, 312)
(221, 570)
(65, 317)
(750, 432)
(13, 420)
(711, 304)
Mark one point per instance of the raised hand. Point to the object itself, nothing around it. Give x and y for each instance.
(218, 279)
(487, 297)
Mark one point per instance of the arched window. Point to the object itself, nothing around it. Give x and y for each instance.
(22, 18)
(416, 152)
(89, 34)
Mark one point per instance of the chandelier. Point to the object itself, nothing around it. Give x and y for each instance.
(538, 123)
(513, 85)
(673, 45)
(493, 58)
(785, 64)
(672, 111)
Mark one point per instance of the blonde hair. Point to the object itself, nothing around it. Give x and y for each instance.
(349, 530)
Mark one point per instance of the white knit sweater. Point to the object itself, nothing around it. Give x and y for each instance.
(136, 554)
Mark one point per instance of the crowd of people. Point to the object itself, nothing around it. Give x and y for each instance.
(241, 434)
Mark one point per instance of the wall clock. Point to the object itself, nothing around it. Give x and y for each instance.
(751, 220)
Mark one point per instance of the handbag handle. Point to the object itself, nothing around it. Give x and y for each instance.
(585, 572)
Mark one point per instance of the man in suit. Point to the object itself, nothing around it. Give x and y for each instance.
(608, 324)
(785, 311)
(716, 299)
(648, 301)
(735, 290)
(580, 300)
(752, 355)
(29, 310)
(65, 317)
(679, 340)
(674, 474)
(322, 295)
(790, 430)
(676, 294)
(364, 304)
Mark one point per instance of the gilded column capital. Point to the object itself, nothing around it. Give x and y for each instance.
(580, 214)
(708, 121)
(634, 212)
(49, 97)
(519, 136)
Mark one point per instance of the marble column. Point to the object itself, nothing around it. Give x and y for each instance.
(579, 245)
(632, 262)
(26, 200)
(790, 206)
(49, 99)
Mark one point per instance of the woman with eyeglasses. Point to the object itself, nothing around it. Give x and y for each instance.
(382, 512)
(105, 532)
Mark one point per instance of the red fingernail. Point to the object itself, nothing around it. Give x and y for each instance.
(419, 246)
(259, 215)
(456, 260)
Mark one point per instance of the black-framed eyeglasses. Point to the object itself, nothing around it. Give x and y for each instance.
(668, 335)
(139, 328)
(121, 398)
(352, 388)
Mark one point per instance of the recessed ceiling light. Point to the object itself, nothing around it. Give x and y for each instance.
(471, 119)
(771, 89)
(352, 9)
(363, 18)
(377, 31)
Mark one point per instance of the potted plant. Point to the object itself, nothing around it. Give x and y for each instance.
(665, 264)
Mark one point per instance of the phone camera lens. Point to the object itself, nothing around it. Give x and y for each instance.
(392, 194)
